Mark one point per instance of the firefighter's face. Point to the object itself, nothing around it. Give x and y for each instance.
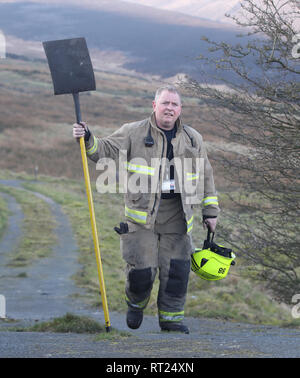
(167, 109)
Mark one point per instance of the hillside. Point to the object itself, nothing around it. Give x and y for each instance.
(36, 126)
(213, 10)
(157, 42)
(205, 9)
(138, 9)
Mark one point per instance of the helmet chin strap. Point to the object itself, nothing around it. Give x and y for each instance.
(209, 232)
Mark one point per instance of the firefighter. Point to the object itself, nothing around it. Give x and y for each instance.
(155, 237)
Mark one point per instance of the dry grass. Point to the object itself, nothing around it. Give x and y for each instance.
(36, 126)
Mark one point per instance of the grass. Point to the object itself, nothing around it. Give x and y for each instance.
(236, 298)
(108, 210)
(27, 102)
(71, 323)
(37, 228)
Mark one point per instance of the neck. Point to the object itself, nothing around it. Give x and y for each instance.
(164, 127)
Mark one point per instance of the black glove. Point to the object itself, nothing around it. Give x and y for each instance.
(123, 228)
(87, 135)
(87, 132)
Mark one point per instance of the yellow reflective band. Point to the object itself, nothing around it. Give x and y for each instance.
(170, 316)
(138, 216)
(190, 224)
(94, 148)
(210, 201)
(141, 305)
(143, 169)
(192, 176)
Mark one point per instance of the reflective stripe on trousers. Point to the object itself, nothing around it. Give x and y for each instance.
(165, 316)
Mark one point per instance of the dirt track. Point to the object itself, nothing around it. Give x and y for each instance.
(46, 292)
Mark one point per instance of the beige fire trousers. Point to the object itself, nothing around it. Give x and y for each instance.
(165, 249)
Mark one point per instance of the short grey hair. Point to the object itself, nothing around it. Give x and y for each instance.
(169, 88)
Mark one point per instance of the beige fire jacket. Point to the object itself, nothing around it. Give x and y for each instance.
(143, 169)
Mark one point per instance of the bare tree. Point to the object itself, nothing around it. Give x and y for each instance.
(260, 110)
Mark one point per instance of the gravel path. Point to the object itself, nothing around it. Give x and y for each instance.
(47, 290)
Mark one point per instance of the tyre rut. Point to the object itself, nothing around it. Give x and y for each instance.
(45, 290)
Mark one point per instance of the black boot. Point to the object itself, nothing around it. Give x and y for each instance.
(174, 327)
(134, 318)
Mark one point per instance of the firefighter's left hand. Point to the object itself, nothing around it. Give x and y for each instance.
(211, 223)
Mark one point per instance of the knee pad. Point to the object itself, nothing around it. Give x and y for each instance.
(178, 278)
(140, 280)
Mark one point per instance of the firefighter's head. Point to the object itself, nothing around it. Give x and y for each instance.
(167, 107)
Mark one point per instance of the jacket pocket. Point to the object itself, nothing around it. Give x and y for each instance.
(138, 200)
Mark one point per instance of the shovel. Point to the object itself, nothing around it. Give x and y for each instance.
(72, 72)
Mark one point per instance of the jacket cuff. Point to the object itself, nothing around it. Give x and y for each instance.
(210, 212)
(210, 206)
(91, 145)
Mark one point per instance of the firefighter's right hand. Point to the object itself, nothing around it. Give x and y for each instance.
(80, 130)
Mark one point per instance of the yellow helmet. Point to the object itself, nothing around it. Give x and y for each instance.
(213, 261)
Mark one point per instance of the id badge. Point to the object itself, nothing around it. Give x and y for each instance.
(168, 185)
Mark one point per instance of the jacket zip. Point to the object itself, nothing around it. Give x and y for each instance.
(162, 155)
